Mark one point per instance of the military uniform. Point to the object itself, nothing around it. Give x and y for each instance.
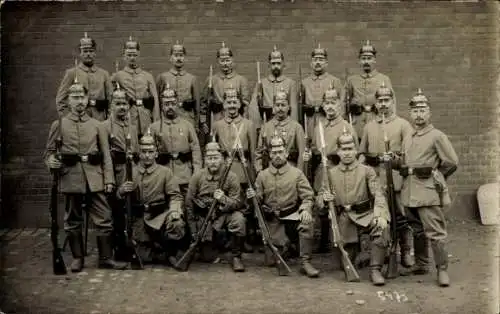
(313, 89)
(373, 147)
(141, 90)
(429, 158)
(86, 169)
(95, 79)
(159, 224)
(199, 198)
(360, 92)
(271, 85)
(185, 85)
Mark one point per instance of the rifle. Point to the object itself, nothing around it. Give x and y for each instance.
(260, 96)
(281, 265)
(135, 259)
(392, 267)
(307, 164)
(185, 261)
(349, 269)
(265, 152)
(301, 99)
(58, 265)
(347, 98)
(210, 97)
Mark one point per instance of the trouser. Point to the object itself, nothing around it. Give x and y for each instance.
(287, 235)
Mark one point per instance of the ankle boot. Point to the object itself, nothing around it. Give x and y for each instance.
(441, 260)
(106, 254)
(404, 237)
(305, 255)
(324, 240)
(237, 248)
(422, 260)
(75, 241)
(376, 262)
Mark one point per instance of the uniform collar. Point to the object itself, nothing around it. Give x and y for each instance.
(273, 79)
(373, 73)
(177, 73)
(423, 131)
(214, 177)
(387, 119)
(279, 171)
(120, 122)
(319, 77)
(228, 76)
(235, 120)
(149, 170)
(350, 167)
(171, 121)
(284, 122)
(132, 71)
(334, 122)
(86, 68)
(73, 117)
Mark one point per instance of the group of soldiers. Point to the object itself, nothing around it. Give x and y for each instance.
(284, 133)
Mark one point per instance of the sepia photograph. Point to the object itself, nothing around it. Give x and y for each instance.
(259, 156)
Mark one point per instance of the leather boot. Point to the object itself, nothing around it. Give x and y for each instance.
(106, 254)
(305, 256)
(324, 240)
(404, 237)
(377, 256)
(421, 246)
(237, 248)
(76, 245)
(441, 260)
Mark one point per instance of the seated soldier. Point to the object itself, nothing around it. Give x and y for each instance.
(204, 188)
(287, 200)
(157, 206)
(360, 205)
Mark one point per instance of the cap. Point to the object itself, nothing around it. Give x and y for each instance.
(169, 94)
(87, 42)
(276, 55)
(319, 52)
(224, 51)
(368, 49)
(131, 44)
(231, 93)
(177, 48)
(147, 139)
(345, 138)
(383, 92)
(419, 100)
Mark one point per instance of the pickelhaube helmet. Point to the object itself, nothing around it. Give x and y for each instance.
(281, 95)
(119, 93)
(177, 48)
(331, 93)
(87, 42)
(212, 147)
(345, 138)
(77, 87)
(231, 93)
(419, 100)
(224, 51)
(131, 44)
(147, 139)
(368, 49)
(277, 140)
(319, 52)
(169, 94)
(383, 92)
(276, 55)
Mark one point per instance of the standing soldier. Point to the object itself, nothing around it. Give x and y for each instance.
(177, 141)
(86, 169)
(184, 84)
(372, 147)
(334, 125)
(95, 79)
(225, 133)
(140, 88)
(428, 160)
(314, 87)
(116, 128)
(159, 226)
(203, 190)
(287, 201)
(266, 90)
(220, 82)
(360, 89)
(283, 125)
(360, 204)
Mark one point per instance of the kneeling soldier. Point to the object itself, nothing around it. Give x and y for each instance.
(205, 187)
(157, 205)
(287, 201)
(360, 203)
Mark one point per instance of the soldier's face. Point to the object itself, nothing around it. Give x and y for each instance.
(226, 64)
(420, 116)
(331, 106)
(232, 105)
(384, 105)
(276, 67)
(177, 59)
(121, 107)
(319, 64)
(169, 107)
(367, 62)
(147, 154)
(347, 153)
(87, 55)
(278, 156)
(131, 57)
(78, 102)
(281, 108)
(213, 161)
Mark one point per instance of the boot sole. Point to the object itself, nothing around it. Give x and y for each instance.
(303, 272)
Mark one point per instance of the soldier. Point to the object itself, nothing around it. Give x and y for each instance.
(271, 84)
(203, 190)
(95, 79)
(177, 141)
(314, 87)
(287, 128)
(225, 131)
(86, 173)
(428, 160)
(361, 88)
(159, 226)
(220, 82)
(116, 128)
(140, 88)
(334, 125)
(185, 85)
(372, 147)
(360, 204)
(287, 201)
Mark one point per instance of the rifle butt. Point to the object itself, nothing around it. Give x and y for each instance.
(351, 274)
(392, 266)
(58, 265)
(185, 261)
(135, 259)
(281, 265)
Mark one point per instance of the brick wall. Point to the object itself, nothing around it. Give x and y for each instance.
(446, 49)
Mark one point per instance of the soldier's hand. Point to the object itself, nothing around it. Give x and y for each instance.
(108, 188)
(305, 217)
(306, 156)
(204, 128)
(53, 162)
(218, 194)
(386, 157)
(250, 193)
(328, 197)
(380, 223)
(361, 158)
(126, 187)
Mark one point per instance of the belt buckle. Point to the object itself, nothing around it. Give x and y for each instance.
(92, 102)
(85, 158)
(347, 207)
(410, 171)
(175, 155)
(367, 108)
(138, 102)
(146, 206)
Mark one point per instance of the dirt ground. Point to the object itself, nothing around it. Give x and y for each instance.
(28, 285)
